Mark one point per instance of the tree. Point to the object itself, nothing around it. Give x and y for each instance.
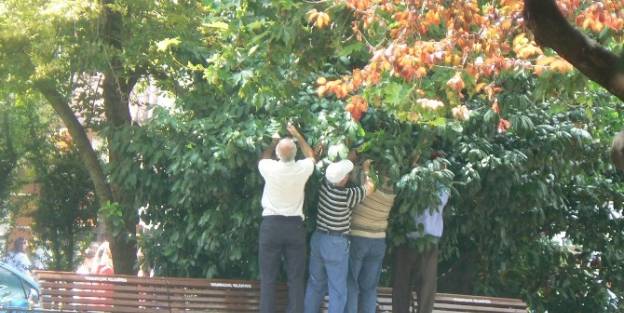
(66, 209)
(503, 130)
(522, 128)
(200, 187)
(443, 66)
(23, 126)
(8, 155)
(76, 43)
(551, 29)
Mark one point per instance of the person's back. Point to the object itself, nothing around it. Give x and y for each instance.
(432, 220)
(370, 217)
(329, 244)
(419, 256)
(369, 223)
(88, 264)
(18, 260)
(17, 256)
(282, 233)
(284, 185)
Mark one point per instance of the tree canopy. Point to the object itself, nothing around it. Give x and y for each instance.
(535, 202)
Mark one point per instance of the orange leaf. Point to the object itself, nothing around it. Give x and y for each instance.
(495, 106)
(503, 125)
(432, 18)
(320, 91)
(456, 82)
(529, 51)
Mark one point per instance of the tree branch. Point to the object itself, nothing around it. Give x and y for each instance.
(551, 29)
(79, 135)
(134, 78)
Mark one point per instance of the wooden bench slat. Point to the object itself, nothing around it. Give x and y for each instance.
(130, 280)
(54, 283)
(230, 307)
(106, 303)
(233, 307)
(94, 299)
(472, 308)
(387, 292)
(479, 299)
(96, 308)
(170, 302)
(121, 291)
(150, 297)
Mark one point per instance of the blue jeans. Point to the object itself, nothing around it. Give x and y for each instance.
(329, 262)
(365, 260)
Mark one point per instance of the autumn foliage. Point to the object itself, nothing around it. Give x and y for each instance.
(476, 41)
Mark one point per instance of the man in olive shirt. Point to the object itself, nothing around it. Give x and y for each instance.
(369, 222)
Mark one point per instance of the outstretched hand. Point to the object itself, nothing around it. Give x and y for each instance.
(294, 131)
(305, 147)
(366, 165)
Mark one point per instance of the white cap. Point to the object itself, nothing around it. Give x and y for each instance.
(337, 171)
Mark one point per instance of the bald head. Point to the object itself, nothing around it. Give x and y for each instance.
(286, 150)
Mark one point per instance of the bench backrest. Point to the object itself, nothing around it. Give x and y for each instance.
(130, 294)
(454, 303)
(121, 293)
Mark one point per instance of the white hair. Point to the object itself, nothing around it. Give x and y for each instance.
(286, 150)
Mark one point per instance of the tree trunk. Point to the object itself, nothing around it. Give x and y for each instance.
(57, 254)
(70, 248)
(123, 245)
(551, 29)
(116, 90)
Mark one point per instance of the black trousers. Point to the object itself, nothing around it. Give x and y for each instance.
(419, 269)
(282, 236)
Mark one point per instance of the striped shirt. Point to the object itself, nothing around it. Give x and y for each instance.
(334, 206)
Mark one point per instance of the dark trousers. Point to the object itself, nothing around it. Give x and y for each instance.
(282, 236)
(420, 269)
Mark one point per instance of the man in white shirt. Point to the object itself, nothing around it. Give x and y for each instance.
(282, 231)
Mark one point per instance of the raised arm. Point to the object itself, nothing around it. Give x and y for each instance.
(268, 152)
(305, 147)
(368, 184)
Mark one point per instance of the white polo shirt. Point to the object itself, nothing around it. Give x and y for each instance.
(284, 186)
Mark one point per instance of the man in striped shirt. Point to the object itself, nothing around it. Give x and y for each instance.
(329, 255)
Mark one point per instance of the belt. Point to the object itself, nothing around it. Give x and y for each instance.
(331, 232)
(283, 218)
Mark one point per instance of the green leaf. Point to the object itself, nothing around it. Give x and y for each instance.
(167, 44)
(217, 25)
(350, 49)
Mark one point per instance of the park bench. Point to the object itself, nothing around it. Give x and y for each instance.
(70, 292)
